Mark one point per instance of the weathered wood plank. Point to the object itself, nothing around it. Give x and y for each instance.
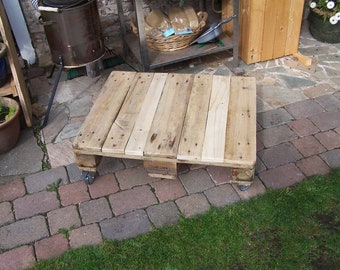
(214, 139)
(121, 129)
(281, 27)
(166, 128)
(192, 138)
(294, 26)
(97, 124)
(269, 28)
(137, 141)
(240, 148)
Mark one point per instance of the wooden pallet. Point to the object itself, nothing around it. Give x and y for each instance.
(165, 119)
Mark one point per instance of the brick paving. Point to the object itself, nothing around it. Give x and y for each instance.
(44, 214)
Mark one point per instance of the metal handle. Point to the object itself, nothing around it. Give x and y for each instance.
(50, 9)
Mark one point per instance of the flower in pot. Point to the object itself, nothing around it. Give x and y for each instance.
(9, 123)
(324, 19)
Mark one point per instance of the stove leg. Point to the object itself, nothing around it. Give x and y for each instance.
(54, 89)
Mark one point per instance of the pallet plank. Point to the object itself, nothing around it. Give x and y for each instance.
(214, 139)
(139, 134)
(191, 143)
(240, 148)
(97, 124)
(166, 128)
(121, 129)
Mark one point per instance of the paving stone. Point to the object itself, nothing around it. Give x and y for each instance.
(61, 153)
(133, 177)
(193, 167)
(336, 81)
(276, 135)
(281, 177)
(220, 175)
(131, 163)
(58, 118)
(259, 144)
(128, 200)
(279, 155)
(303, 127)
(337, 130)
(168, 189)
(110, 165)
(163, 214)
(6, 214)
(277, 97)
(273, 118)
(329, 102)
(262, 106)
(85, 236)
(34, 204)
(196, 181)
(308, 146)
(312, 166)
(17, 259)
(329, 139)
(318, 90)
(69, 131)
(126, 226)
(222, 195)
(257, 188)
(51, 247)
(12, 190)
(41, 180)
(259, 166)
(23, 232)
(80, 107)
(63, 218)
(192, 205)
(26, 153)
(94, 211)
(295, 82)
(332, 158)
(103, 185)
(327, 120)
(304, 109)
(74, 193)
(73, 172)
(182, 168)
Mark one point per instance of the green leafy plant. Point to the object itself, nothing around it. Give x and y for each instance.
(6, 113)
(328, 9)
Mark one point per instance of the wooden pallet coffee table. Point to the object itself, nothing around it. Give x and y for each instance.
(167, 118)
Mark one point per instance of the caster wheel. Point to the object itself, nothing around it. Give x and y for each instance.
(243, 187)
(88, 177)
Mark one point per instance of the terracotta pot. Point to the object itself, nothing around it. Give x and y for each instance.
(323, 30)
(9, 130)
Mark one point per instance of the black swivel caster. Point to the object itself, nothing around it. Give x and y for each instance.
(243, 187)
(88, 177)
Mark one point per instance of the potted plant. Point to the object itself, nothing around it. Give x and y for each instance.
(324, 19)
(9, 123)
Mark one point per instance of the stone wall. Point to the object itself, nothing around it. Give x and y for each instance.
(109, 22)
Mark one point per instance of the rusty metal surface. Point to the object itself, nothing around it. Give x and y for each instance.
(75, 34)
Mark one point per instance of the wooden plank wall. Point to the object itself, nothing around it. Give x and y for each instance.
(269, 29)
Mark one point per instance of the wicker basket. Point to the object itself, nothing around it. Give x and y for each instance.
(174, 42)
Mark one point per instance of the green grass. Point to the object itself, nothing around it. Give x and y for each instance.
(293, 228)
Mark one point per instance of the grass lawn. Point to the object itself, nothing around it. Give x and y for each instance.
(293, 228)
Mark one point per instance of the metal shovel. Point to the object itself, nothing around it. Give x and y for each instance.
(213, 31)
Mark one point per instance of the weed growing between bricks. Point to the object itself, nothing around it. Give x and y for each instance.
(45, 163)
